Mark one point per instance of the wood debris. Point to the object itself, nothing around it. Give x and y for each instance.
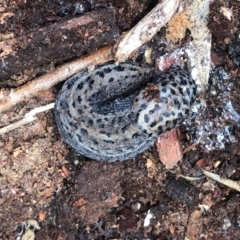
(57, 42)
(144, 31)
(169, 148)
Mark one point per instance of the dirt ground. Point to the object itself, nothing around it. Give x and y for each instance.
(72, 197)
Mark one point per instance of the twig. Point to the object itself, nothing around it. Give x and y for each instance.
(199, 50)
(145, 30)
(9, 98)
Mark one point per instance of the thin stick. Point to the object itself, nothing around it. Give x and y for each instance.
(145, 30)
(9, 98)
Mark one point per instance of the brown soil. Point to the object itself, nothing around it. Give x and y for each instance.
(75, 198)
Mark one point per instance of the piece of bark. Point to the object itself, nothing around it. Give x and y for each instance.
(10, 97)
(58, 42)
(169, 148)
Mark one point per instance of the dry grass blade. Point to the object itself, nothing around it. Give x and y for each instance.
(29, 117)
(228, 182)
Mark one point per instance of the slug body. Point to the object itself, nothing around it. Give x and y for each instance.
(116, 112)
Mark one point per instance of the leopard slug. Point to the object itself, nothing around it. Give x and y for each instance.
(117, 111)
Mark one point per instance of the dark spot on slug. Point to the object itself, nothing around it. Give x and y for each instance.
(90, 122)
(185, 101)
(119, 119)
(183, 81)
(180, 91)
(146, 118)
(136, 135)
(95, 142)
(153, 124)
(175, 122)
(173, 91)
(80, 86)
(151, 111)
(107, 70)
(79, 99)
(109, 141)
(119, 68)
(69, 114)
(143, 106)
(132, 69)
(164, 90)
(84, 131)
(90, 84)
(124, 129)
(171, 77)
(80, 111)
(177, 103)
(160, 130)
(166, 114)
(100, 73)
(79, 138)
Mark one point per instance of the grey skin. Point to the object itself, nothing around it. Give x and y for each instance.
(108, 115)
